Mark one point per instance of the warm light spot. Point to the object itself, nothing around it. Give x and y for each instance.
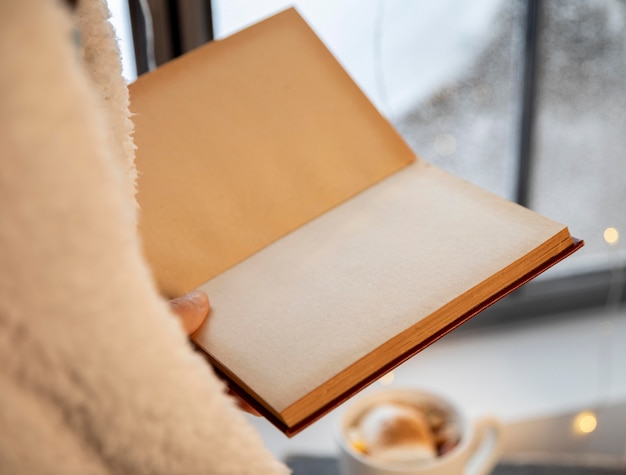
(585, 422)
(611, 235)
(445, 145)
(387, 379)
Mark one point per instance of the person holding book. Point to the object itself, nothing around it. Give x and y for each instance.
(97, 375)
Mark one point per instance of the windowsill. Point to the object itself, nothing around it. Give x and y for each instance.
(517, 372)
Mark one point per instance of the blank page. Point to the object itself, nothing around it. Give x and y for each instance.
(301, 310)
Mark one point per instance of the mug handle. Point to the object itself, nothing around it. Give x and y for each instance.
(486, 446)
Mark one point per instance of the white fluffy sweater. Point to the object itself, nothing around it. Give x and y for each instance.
(96, 376)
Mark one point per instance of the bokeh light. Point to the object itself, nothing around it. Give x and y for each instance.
(445, 145)
(611, 235)
(585, 422)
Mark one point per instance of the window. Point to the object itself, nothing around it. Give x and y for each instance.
(524, 98)
(120, 19)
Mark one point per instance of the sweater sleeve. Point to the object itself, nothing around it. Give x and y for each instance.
(83, 329)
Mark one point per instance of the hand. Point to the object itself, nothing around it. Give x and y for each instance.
(192, 309)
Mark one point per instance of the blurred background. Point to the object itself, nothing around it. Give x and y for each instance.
(526, 98)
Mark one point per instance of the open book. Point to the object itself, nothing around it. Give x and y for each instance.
(331, 254)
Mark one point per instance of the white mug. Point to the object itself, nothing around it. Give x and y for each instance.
(476, 453)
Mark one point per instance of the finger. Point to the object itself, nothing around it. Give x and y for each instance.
(191, 309)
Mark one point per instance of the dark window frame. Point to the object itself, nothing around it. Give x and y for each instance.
(165, 29)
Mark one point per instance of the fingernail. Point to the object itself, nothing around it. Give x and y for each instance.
(198, 297)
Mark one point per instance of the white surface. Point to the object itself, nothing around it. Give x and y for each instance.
(521, 372)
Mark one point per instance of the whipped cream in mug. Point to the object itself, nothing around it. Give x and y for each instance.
(404, 432)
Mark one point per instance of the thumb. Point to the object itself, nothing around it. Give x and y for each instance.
(191, 309)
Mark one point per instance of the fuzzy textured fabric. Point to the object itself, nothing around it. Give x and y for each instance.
(97, 377)
(101, 55)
